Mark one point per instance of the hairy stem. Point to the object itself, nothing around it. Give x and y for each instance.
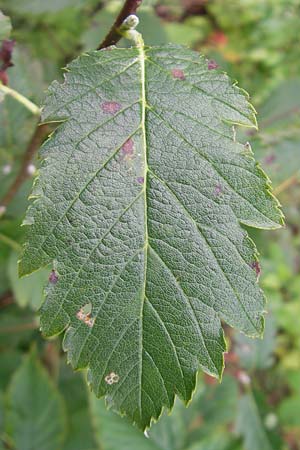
(10, 242)
(37, 138)
(113, 36)
(34, 109)
(286, 184)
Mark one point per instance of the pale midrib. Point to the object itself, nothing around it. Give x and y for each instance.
(143, 120)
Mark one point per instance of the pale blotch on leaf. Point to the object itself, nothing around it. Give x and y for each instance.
(178, 73)
(112, 378)
(84, 315)
(111, 107)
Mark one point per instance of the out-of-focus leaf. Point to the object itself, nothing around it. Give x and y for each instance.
(32, 7)
(277, 146)
(280, 159)
(257, 354)
(186, 33)
(28, 291)
(80, 432)
(282, 107)
(36, 416)
(288, 412)
(1, 414)
(251, 425)
(9, 361)
(117, 433)
(186, 428)
(216, 441)
(17, 327)
(63, 30)
(5, 26)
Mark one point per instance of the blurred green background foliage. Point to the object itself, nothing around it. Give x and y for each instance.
(43, 404)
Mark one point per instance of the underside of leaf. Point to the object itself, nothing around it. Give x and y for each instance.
(138, 205)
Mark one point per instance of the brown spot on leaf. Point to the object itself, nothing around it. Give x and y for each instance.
(85, 317)
(112, 378)
(178, 73)
(111, 107)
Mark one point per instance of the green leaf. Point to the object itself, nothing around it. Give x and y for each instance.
(288, 412)
(36, 413)
(184, 429)
(115, 433)
(138, 206)
(9, 361)
(5, 26)
(16, 327)
(257, 354)
(33, 7)
(80, 423)
(277, 144)
(27, 291)
(251, 424)
(217, 441)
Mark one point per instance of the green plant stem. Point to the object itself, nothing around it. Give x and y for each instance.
(33, 108)
(113, 36)
(10, 242)
(286, 184)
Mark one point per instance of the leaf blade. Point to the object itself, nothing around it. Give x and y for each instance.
(42, 424)
(146, 232)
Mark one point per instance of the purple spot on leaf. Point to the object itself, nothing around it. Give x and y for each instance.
(218, 189)
(178, 73)
(255, 265)
(111, 107)
(53, 277)
(140, 180)
(211, 64)
(127, 148)
(269, 159)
